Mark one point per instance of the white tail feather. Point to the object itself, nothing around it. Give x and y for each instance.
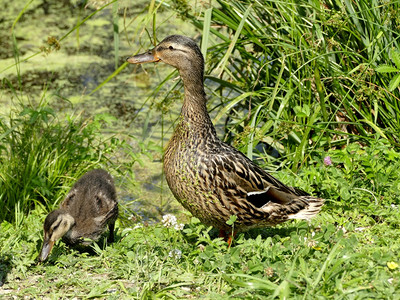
(314, 206)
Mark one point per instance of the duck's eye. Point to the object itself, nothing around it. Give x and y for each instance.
(171, 48)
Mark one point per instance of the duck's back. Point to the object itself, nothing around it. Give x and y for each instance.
(93, 204)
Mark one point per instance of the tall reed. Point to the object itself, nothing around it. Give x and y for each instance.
(299, 76)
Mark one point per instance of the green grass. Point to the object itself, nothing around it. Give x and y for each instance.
(349, 251)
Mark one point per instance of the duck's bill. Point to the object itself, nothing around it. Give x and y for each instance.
(143, 58)
(46, 249)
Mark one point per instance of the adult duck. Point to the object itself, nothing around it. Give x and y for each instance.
(210, 178)
(84, 214)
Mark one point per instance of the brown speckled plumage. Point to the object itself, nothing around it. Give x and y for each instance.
(208, 177)
(92, 202)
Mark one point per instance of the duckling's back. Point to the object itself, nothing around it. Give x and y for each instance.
(93, 204)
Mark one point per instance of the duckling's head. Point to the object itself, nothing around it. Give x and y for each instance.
(56, 225)
(176, 50)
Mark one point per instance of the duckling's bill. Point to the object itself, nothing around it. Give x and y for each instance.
(46, 249)
(147, 57)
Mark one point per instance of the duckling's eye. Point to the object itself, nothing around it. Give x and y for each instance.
(171, 48)
(56, 226)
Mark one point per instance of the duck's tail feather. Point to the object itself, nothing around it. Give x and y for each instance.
(306, 212)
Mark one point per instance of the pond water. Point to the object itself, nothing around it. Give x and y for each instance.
(85, 59)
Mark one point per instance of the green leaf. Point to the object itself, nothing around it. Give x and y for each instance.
(395, 54)
(299, 111)
(231, 220)
(386, 69)
(374, 126)
(394, 83)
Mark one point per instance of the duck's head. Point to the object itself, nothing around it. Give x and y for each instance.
(176, 50)
(56, 225)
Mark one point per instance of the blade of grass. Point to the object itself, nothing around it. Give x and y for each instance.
(206, 32)
(115, 73)
(222, 65)
(306, 135)
(231, 104)
(20, 14)
(328, 261)
(116, 33)
(251, 282)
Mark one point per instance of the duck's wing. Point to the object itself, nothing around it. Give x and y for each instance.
(70, 200)
(262, 190)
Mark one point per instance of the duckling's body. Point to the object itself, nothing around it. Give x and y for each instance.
(208, 177)
(88, 208)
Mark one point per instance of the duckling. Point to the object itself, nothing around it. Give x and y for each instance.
(90, 205)
(208, 177)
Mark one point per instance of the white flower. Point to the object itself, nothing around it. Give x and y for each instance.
(342, 228)
(169, 220)
(176, 253)
(312, 243)
(359, 229)
(179, 226)
(390, 280)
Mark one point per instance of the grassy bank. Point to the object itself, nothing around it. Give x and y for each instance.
(348, 251)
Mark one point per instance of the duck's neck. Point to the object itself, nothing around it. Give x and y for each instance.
(194, 109)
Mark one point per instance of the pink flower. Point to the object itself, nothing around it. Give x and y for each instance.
(327, 161)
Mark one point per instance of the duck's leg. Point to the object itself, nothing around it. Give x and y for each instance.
(111, 226)
(231, 237)
(228, 236)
